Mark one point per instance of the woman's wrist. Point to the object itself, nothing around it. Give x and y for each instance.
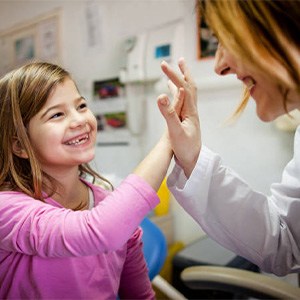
(189, 165)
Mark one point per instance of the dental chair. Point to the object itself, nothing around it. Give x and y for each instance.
(243, 284)
(155, 252)
(154, 247)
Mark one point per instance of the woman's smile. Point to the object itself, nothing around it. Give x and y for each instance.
(249, 83)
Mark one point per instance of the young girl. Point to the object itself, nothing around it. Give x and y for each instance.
(259, 43)
(60, 235)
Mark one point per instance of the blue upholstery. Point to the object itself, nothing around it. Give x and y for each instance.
(155, 247)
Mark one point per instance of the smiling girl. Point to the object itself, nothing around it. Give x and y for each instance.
(62, 236)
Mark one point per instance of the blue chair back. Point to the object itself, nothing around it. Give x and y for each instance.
(154, 247)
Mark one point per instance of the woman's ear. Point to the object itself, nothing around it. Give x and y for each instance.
(18, 150)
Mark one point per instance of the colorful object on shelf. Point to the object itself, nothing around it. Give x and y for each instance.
(109, 88)
(116, 120)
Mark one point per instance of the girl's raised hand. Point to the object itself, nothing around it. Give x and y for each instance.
(182, 116)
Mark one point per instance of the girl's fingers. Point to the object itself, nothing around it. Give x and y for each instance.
(169, 113)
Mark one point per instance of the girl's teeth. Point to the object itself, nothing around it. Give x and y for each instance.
(78, 142)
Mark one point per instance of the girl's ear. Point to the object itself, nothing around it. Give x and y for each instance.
(18, 149)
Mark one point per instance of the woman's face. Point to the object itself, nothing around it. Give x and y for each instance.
(268, 96)
(63, 132)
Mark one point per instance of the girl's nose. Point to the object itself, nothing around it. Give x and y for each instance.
(223, 62)
(77, 120)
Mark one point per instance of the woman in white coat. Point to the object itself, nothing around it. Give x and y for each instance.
(259, 43)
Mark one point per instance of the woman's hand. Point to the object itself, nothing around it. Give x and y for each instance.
(182, 116)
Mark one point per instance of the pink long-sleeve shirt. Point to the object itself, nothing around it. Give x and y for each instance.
(50, 252)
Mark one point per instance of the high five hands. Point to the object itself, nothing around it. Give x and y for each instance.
(182, 116)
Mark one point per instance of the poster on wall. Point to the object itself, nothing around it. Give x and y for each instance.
(207, 43)
(94, 26)
(48, 39)
(24, 49)
(35, 40)
(5, 54)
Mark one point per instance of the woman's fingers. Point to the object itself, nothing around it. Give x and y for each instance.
(173, 88)
(172, 75)
(180, 80)
(182, 116)
(185, 71)
(185, 100)
(179, 101)
(178, 96)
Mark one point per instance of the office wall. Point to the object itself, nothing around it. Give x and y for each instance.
(258, 151)
(117, 20)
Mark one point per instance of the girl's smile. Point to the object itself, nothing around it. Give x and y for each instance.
(63, 133)
(79, 140)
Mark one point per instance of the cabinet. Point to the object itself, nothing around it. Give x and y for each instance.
(118, 151)
(109, 107)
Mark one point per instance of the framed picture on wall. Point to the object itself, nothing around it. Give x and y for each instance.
(48, 38)
(34, 40)
(24, 49)
(207, 43)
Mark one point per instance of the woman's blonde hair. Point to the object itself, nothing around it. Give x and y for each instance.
(23, 92)
(264, 33)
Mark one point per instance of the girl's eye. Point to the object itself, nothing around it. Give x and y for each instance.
(83, 106)
(57, 115)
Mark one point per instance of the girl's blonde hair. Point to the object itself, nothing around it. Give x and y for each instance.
(23, 92)
(264, 34)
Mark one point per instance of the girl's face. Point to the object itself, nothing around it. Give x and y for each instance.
(267, 94)
(63, 132)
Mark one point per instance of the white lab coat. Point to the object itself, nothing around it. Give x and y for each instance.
(265, 230)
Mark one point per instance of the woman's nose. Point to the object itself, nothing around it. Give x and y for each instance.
(223, 63)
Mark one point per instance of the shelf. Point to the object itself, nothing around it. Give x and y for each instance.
(109, 105)
(111, 136)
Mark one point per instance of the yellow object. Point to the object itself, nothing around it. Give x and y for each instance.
(164, 195)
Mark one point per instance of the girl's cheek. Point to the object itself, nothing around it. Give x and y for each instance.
(93, 120)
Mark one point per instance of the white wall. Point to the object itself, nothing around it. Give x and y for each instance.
(117, 20)
(256, 150)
